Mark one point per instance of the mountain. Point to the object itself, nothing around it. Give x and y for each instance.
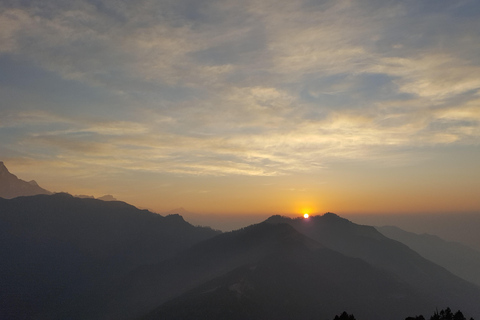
(84, 196)
(461, 227)
(11, 186)
(54, 248)
(366, 243)
(63, 257)
(459, 259)
(107, 197)
(182, 211)
(220, 221)
(264, 271)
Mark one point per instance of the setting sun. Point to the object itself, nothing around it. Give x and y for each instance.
(306, 215)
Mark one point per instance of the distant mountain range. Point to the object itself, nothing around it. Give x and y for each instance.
(65, 257)
(11, 186)
(107, 197)
(455, 257)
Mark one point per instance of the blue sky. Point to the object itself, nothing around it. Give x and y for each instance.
(254, 105)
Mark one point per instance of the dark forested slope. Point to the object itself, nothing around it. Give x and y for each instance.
(54, 247)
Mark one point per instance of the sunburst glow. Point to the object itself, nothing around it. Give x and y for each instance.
(306, 215)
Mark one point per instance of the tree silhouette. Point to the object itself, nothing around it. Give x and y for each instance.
(444, 314)
(420, 317)
(458, 316)
(448, 315)
(345, 316)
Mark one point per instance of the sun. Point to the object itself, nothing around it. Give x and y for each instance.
(306, 215)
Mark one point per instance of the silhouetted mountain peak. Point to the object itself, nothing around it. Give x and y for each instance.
(261, 231)
(175, 218)
(263, 235)
(327, 217)
(4, 171)
(107, 197)
(11, 186)
(64, 195)
(328, 222)
(246, 248)
(333, 216)
(33, 183)
(277, 219)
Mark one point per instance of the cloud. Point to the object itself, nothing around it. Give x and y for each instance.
(433, 76)
(250, 88)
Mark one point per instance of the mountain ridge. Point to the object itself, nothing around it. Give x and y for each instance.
(368, 244)
(455, 257)
(301, 279)
(11, 186)
(262, 255)
(57, 247)
(82, 258)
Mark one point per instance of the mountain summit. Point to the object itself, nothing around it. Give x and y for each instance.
(264, 271)
(12, 187)
(366, 243)
(3, 170)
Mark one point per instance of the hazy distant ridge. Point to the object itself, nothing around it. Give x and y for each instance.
(366, 243)
(11, 186)
(455, 257)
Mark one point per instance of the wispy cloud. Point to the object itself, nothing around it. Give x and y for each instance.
(250, 88)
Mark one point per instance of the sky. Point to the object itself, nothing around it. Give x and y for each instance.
(246, 107)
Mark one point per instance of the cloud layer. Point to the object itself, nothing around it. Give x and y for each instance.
(236, 88)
